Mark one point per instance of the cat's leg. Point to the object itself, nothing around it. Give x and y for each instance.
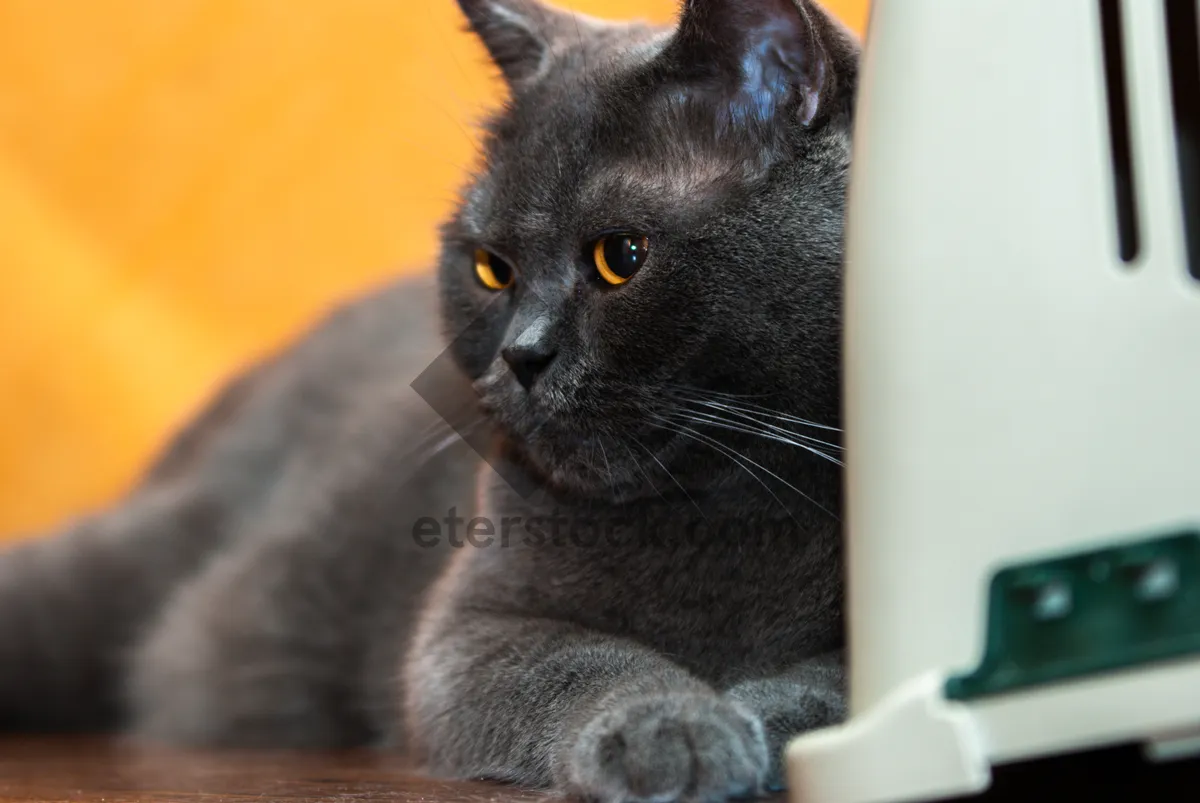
(72, 604)
(810, 695)
(289, 640)
(548, 703)
(253, 651)
(292, 637)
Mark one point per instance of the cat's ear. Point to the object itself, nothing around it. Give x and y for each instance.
(517, 33)
(775, 55)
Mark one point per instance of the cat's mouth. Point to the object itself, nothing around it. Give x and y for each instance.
(589, 462)
(613, 455)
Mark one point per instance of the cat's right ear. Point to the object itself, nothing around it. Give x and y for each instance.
(775, 56)
(518, 34)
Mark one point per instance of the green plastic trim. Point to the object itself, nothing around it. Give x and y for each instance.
(1087, 613)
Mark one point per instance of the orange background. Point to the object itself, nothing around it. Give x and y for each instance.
(187, 183)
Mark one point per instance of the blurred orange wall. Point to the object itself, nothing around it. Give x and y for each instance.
(187, 183)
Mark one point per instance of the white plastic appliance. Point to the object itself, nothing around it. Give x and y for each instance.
(1023, 394)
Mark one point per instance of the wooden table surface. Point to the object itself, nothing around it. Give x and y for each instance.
(88, 770)
(40, 770)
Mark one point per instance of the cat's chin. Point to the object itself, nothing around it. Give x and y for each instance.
(595, 469)
(574, 454)
(572, 476)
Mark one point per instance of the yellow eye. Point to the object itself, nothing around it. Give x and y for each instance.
(619, 256)
(492, 271)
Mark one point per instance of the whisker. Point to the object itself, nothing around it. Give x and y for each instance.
(779, 435)
(642, 469)
(720, 449)
(755, 409)
(654, 457)
(612, 482)
(788, 438)
(784, 430)
(753, 418)
(716, 442)
(436, 427)
(442, 445)
(719, 393)
(424, 452)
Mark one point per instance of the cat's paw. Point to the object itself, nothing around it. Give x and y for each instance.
(676, 747)
(787, 709)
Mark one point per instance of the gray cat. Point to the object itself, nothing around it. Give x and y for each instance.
(635, 593)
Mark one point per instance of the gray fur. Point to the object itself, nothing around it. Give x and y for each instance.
(663, 611)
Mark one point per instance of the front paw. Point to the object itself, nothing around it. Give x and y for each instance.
(788, 709)
(676, 747)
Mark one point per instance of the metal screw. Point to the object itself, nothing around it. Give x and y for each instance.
(1158, 580)
(1053, 601)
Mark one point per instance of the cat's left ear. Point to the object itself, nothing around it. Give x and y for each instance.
(518, 34)
(773, 56)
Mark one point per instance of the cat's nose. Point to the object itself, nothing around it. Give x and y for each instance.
(528, 361)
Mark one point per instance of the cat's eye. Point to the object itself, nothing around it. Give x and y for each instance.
(619, 256)
(492, 271)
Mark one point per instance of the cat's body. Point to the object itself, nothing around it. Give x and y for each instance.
(295, 456)
(649, 599)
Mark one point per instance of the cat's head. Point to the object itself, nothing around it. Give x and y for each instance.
(657, 223)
